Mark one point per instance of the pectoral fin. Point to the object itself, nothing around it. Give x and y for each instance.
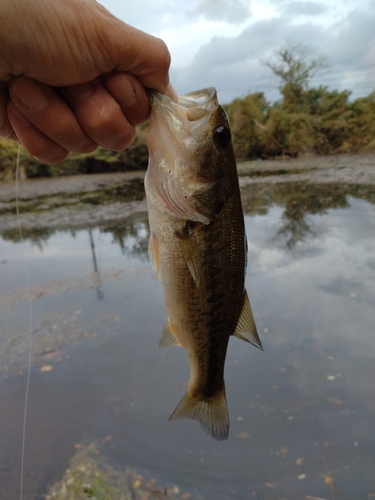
(246, 329)
(190, 250)
(168, 338)
(153, 252)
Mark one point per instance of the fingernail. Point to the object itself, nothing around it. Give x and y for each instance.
(28, 93)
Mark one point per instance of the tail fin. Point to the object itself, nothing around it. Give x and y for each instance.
(212, 413)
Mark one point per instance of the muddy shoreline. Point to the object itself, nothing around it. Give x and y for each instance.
(80, 200)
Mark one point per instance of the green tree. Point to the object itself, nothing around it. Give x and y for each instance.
(288, 133)
(362, 123)
(331, 114)
(243, 114)
(294, 67)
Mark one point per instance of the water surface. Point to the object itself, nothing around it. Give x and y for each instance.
(302, 412)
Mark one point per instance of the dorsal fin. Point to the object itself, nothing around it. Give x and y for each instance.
(246, 329)
(168, 338)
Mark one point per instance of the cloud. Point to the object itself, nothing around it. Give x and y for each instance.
(231, 11)
(223, 42)
(353, 38)
(303, 8)
(237, 62)
(234, 64)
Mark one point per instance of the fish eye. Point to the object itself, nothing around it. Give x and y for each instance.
(222, 135)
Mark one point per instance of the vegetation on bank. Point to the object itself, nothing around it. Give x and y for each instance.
(91, 475)
(304, 120)
(325, 122)
(101, 160)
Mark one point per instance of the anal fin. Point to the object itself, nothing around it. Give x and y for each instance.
(246, 329)
(168, 338)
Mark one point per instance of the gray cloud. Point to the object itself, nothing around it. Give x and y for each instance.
(234, 65)
(303, 8)
(353, 38)
(231, 11)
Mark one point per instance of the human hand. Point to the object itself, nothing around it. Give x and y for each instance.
(73, 77)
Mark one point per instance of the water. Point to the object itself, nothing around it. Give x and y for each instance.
(302, 412)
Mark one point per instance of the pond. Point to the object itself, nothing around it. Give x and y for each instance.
(302, 412)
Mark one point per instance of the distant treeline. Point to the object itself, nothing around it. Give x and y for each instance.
(314, 120)
(304, 120)
(319, 121)
(101, 160)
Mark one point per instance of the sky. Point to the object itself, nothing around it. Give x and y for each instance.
(225, 43)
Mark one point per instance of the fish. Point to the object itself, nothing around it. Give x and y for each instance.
(198, 245)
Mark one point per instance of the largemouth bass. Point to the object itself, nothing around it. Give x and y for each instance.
(198, 245)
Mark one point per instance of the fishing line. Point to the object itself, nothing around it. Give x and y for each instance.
(17, 175)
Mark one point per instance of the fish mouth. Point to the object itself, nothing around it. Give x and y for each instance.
(199, 102)
(205, 99)
(187, 118)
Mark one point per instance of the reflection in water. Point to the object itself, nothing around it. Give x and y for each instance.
(132, 235)
(302, 413)
(299, 200)
(37, 235)
(98, 284)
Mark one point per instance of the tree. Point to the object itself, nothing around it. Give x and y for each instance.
(243, 113)
(362, 125)
(295, 67)
(331, 114)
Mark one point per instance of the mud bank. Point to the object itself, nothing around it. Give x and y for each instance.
(351, 169)
(90, 199)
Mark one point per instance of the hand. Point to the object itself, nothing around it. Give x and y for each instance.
(73, 77)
